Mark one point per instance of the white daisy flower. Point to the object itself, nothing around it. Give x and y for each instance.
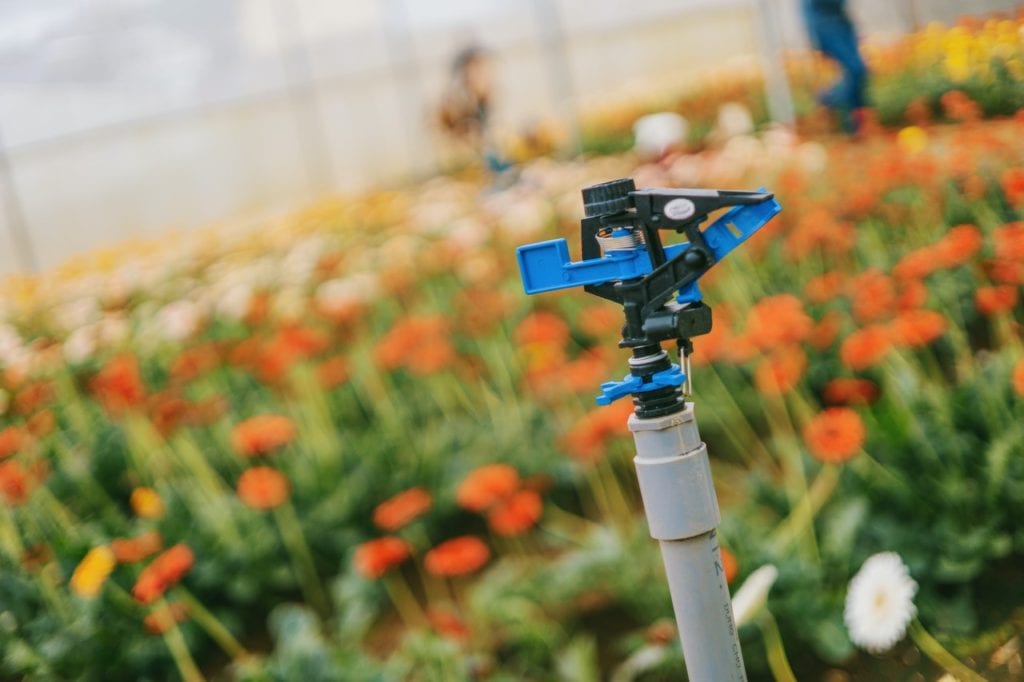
(753, 594)
(880, 603)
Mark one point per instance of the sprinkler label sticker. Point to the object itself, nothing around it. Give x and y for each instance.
(679, 209)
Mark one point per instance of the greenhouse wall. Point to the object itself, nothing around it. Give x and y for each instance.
(143, 115)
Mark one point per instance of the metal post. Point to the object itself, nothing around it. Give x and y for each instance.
(11, 203)
(553, 37)
(682, 513)
(780, 98)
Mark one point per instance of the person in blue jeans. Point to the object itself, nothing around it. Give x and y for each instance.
(832, 32)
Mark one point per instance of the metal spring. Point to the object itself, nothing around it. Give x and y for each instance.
(620, 242)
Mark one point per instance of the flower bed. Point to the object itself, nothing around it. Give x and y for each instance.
(348, 447)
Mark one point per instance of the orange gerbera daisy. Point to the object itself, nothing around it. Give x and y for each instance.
(418, 343)
(458, 556)
(1009, 241)
(1012, 182)
(600, 320)
(134, 550)
(194, 362)
(778, 320)
(333, 372)
(542, 327)
(487, 485)
(917, 264)
(865, 347)
(835, 435)
(374, 558)
(12, 439)
(16, 483)
(912, 294)
(730, 565)
(402, 509)
(163, 573)
(587, 439)
(448, 624)
(161, 618)
(516, 515)
(848, 390)
(995, 300)
(1018, 377)
(263, 488)
(826, 330)
(958, 245)
(916, 328)
(824, 287)
(780, 371)
(873, 295)
(118, 386)
(262, 434)
(42, 423)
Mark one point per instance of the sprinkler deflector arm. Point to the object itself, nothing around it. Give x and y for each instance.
(624, 260)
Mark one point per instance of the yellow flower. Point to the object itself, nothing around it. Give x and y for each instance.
(146, 503)
(912, 140)
(92, 571)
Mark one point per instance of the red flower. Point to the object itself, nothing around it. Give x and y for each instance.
(835, 435)
(163, 573)
(1013, 185)
(1009, 241)
(333, 372)
(160, 619)
(447, 624)
(517, 514)
(1018, 377)
(847, 391)
(825, 331)
(262, 434)
(16, 483)
(263, 488)
(865, 347)
(729, 565)
(402, 509)
(133, 550)
(118, 386)
(873, 295)
(780, 372)
(375, 558)
(194, 362)
(12, 439)
(917, 264)
(486, 486)
(824, 288)
(777, 320)
(458, 556)
(419, 344)
(994, 300)
(600, 320)
(916, 328)
(542, 327)
(958, 245)
(586, 440)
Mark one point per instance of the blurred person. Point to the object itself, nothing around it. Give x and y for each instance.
(831, 31)
(466, 105)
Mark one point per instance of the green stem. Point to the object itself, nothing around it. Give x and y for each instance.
(777, 659)
(176, 644)
(212, 625)
(302, 558)
(803, 514)
(935, 651)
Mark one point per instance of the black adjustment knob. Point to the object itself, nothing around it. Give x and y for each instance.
(607, 198)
